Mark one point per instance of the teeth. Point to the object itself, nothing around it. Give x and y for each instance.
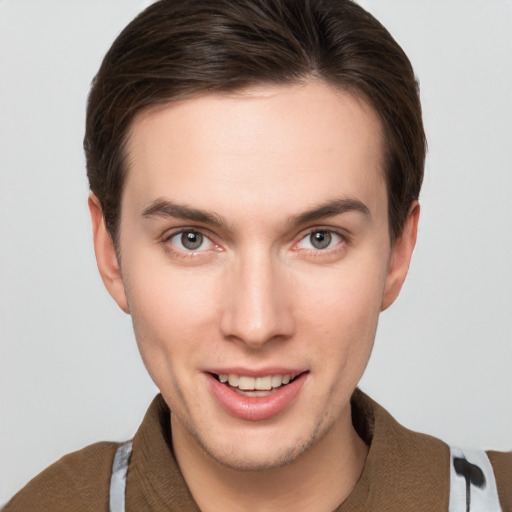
(263, 383)
(277, 380)
(233, 380)
(246, 383)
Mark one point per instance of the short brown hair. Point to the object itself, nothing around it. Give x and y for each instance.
(179, 48)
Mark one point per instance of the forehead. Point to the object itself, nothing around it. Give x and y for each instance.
(305, 142)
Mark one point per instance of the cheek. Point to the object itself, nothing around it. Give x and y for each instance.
(342, 310)
(173, 312)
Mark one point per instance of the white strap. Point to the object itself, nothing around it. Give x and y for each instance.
(118, 479)
(472, 483)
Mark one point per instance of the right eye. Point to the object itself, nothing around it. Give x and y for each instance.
(189, 240)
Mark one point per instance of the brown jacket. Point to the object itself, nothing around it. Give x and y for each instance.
(404, 471)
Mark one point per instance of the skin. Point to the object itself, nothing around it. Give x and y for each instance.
(257, 293)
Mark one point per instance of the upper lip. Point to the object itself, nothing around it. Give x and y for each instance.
(256, 372)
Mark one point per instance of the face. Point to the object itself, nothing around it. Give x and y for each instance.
(255, 260)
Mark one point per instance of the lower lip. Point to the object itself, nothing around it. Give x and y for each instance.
(256, 408)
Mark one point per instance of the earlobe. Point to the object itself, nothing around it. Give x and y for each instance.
(401, 254)
(106, 256)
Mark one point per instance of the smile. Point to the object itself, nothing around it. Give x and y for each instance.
(248, 383)
(256, 398)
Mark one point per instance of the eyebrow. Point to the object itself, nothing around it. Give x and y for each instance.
(331, 209)
(166, 208)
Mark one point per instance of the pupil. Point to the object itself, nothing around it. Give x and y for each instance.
(320, 239)
(191, 240)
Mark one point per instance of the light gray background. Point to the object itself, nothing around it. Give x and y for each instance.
(70, 373)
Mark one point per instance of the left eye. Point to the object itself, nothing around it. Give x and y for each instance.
(191, 241)
(320, 240)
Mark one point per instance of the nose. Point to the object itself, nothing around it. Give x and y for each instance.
(257, 301)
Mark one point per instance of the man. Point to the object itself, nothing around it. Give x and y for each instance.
(255, 169)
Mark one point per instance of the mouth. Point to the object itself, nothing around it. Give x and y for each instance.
(256, 397)
(247, 385)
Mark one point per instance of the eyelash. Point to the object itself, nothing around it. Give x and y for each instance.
(332, 233)
(183, 253)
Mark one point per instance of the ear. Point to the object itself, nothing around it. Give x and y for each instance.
(106, 256)
(401, 257)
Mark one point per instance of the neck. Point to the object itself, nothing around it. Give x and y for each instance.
(319, 480)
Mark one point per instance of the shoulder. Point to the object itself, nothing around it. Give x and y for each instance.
(413, 471)
(502, 466)
(78, 482)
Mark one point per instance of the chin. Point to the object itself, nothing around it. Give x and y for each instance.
(259, 459)
(264, 451)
